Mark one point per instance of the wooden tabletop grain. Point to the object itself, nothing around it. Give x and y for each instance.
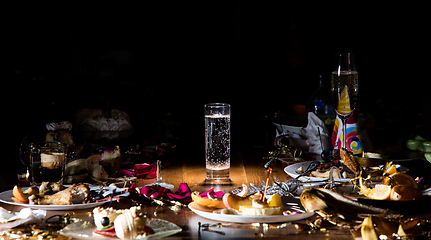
(246, 167)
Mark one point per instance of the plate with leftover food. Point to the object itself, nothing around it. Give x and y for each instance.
(209, 213)
(117, 225)
(50, 202)
(321, 174)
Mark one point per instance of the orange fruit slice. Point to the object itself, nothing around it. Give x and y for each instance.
(400, 179)
(211, 203)
(379, 192)
(19, 195)
(401, 192)
(389, 170)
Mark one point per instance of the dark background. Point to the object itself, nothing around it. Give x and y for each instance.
(165, 60)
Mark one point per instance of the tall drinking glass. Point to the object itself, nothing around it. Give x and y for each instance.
(344, 88)
(217, 143)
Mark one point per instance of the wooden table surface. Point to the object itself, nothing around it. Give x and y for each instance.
(245, 168)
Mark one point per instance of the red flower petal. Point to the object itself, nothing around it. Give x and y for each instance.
(212, 193)
(145, 170)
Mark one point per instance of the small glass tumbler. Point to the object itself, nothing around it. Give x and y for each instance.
(217, 143)
(47, 162)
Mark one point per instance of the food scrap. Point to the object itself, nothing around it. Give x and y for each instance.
(124, 223)
(397, 186)
(240, 204)
(74, 194)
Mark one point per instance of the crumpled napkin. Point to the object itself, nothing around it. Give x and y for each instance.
(13, 219)
(142, 170)
(314, 127)
(311, 132)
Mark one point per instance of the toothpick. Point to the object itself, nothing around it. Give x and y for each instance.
(266, 185)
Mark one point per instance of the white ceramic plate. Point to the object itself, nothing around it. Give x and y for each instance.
(208, 213)
(291, 171)
(84, 229)
(6, 197)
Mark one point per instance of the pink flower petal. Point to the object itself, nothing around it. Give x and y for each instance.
(183, 193)
(145, 170)
(212, 193)
(124, 172)
(183, 189)
(159, 193)
(147, 191)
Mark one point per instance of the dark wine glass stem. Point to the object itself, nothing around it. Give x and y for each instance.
(158, 171)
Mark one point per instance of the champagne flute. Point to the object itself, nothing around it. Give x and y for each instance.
(344, 88)
(159, 181)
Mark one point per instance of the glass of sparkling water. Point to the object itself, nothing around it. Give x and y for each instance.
(217, 143)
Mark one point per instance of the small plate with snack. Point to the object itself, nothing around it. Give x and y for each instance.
(53, 196)
(109, 223)
(209, 213)
(243, 208)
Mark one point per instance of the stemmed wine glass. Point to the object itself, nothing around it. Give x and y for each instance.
(344, 88)
(159, 181)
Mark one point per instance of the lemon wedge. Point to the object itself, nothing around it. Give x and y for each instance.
(275, 201)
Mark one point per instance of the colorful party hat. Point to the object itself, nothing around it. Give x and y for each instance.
(355, 138)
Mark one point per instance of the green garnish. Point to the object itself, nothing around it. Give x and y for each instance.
(109, 226)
